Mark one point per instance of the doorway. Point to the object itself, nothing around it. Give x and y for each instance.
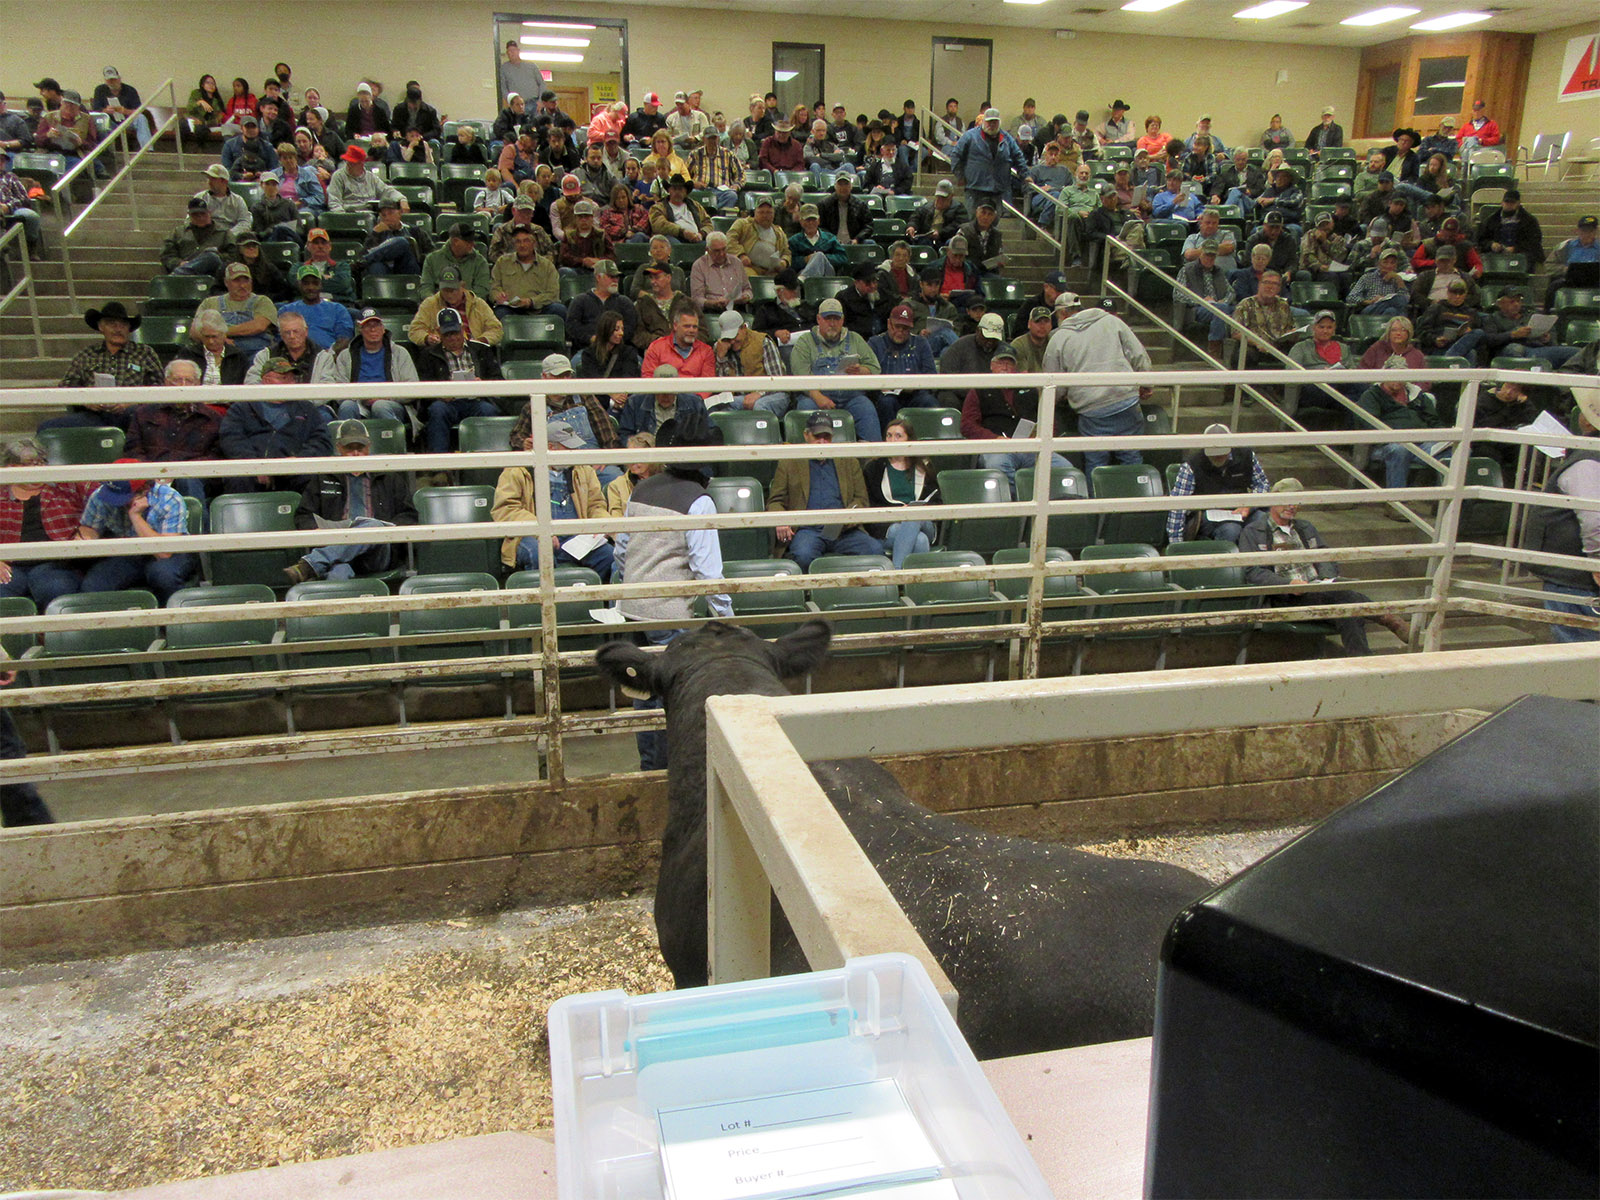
(961, 69)
(797, 75)
(583, 60)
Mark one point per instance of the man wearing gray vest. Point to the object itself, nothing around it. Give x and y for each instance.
(666, 555)
(1572, 531)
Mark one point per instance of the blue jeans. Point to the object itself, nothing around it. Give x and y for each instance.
(339, 562)
(889, 405)
(445, 415)
(1124, 422)
(1466, 346)
(861, 410)
(1011, 463)
(908, 537)
(1044, 211)
(597, 560)
(941, 340)
(43, 582)
(19, 802)
(163, 576)
(1588, 605)
(652, 743)
(392, 257)
(822, 177)
(207, 262)
(809, 544)
(727, 198)
(30, 224)
(388, 410)
(1397, 458)
(817, 263)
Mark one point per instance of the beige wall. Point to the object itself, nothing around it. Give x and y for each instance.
(870, 64)
(1541, 112)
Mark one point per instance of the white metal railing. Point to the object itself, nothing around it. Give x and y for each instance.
(1028, 626)
(771, 827)
(24, 284)
(125, 129)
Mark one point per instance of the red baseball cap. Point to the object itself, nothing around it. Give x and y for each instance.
(902, 312)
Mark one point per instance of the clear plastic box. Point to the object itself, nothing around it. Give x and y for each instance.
(625, 1068)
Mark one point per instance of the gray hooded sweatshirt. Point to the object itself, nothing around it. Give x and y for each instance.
(1096, 341)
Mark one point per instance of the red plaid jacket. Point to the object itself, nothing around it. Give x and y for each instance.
(60, 507)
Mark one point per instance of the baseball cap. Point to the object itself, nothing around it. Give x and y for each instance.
(119, 493)
(607, 267)
(1287, 484)
(676, 96)
(249, 119)
(308, 271)
(449, 277)
(524, 204)
(990, 114)
(198, 204)
(1325, 314)
(729, 324)
(1039, 313)
(1378, 226)
(317, 234)
(463, 231)
(957, 244)
(351, 433)
(819, 422)
(274, 177)
(236, 270)
(992, 325)
(247, 238)
(651, 98)
(571, 183)
(1068, 300)
(1218, 430)
(584, 208)
(449, 321)
(1588, 222)
(278, 366)
(830, 308)
(1006, 352)
(217, 171)
(556, 364)
(901, 312)
(1327, 110)
(1056, 279)
(547, 95)
(1273, 218)
(944, 188)
(864, 270)
(1325, 218)
(369, 314)
(808, 211)
(49, 83)
(388, 204)
(1385, 176)
(966, 300)
(560, 432)
(1212, 246)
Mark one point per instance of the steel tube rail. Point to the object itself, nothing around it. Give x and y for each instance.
(24, 284)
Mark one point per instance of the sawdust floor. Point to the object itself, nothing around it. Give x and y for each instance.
(145, 1068)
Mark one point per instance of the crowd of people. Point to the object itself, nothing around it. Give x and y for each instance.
(562, 198)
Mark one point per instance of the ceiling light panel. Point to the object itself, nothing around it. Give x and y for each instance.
(1380, 16)
(562, 42)
(1149, 5)
(1451, 21)
(1272, 8)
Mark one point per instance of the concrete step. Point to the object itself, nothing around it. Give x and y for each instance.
(16, 372)
(123, 269)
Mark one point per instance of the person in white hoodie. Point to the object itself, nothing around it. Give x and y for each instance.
(1092, 340)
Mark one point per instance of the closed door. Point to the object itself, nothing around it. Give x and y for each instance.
(961, 68)
(574, 101)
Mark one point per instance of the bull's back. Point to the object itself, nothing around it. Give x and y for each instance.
(1048, 946)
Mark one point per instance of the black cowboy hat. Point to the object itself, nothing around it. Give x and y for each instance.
(115, 311)
(693, 428)
(679, 181)
(1416, 138)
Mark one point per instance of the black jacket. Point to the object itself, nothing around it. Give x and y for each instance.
(508, 124)
(425, 118)
(235, 362)
(866, 315)
(352, 119)
(857, 219)
(326, 496)
(246, 433)
(434, 367)
(641, 125)
(922, 221)
(1256, 536)
(770, 316)
(878, 497)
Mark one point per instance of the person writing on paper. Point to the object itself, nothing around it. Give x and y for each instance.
(356, 499)
(1217, 470)
(575, 494)
(1002, 412)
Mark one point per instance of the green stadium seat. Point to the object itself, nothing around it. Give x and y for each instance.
(47, 169)
(1148, 286)
(1338, 154)
(104, 640)
(250, 193)
(631, 255)
(480, 435)
(898, 205)
(351, 226)
(1157, 423)
(418, 195)
(18, 644)
(1129, 480)
(255, 635)
(1071, 531)
(1004, 296)
(253, 512)
(388, 435)
(1335, 172)
(329, 627)
(740, 494)
(176, 294)
(864, 252)
(888, 230)
(1579, 331)
(392, 293)
(89, 444)
(1333, 189)
(1366, 328)
(573, 286)
(1506, 268)
(1490, 175)
(532, 336)
(1057, 588)
(983, 535)
(758, 178)
(455, 179)
(757, 604)
(750, 427)
(569, 613)
(283, 255)
(1128, 583)
(420, 172)
(1210, 572)
(463, 621)
(1577, 302)
(522, 368)
(166, 335)
(978, 588)
(817, 288)
(933, 424)
(464, 505)
(836, 603)
(684, 253)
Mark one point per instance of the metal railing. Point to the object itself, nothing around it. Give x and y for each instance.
(1029, 622)
(127, 128)
(24, 284)
(1020, 212)
(771, 829)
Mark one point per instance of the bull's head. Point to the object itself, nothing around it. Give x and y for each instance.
(735, 657)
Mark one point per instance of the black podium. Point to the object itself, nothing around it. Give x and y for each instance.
(1404, 1001)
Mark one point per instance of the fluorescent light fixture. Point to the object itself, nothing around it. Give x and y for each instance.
(1024, 1)
(784, 76)
(1450, 83)
(553, 25)
(1148, 5)
(560, 56)
(578, 43)
(1272, 8)
(1451, 21)
(1380, 16)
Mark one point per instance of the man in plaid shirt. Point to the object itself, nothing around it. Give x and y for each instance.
(116, 359)
(136, 508)
(38, 512)
(710, 166)
(1215, 471)
(15, 205)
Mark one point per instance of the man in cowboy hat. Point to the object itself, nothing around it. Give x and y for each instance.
(116, 361)
(353, 188)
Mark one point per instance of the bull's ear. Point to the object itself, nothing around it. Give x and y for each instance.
(803, 650)
(630, 669)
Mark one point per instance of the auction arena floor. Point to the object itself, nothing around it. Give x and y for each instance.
(145, 1068)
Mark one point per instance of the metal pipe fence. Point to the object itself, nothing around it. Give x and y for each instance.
(24, 286)
(1423, 571)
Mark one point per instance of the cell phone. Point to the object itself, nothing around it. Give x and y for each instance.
(846, 361)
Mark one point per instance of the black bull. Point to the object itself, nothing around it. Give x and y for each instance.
(1048, 946)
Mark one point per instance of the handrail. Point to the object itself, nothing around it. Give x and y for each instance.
(17, 233)
(125, 128)
(1032, 621)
